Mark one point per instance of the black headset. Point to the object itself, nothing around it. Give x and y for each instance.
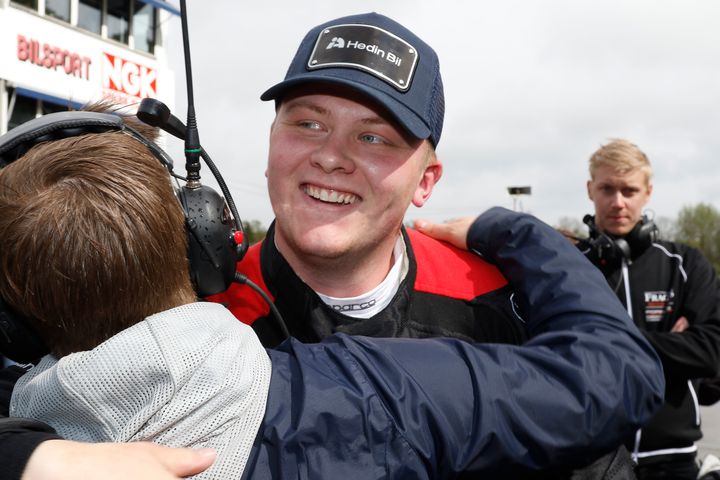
(216, 241)
(605, 249)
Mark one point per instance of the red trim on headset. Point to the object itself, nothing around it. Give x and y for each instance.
(246, 308)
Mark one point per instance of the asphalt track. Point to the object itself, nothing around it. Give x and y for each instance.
(710, 443)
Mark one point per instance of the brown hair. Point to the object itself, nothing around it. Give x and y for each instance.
(92, 239)
(622, 156)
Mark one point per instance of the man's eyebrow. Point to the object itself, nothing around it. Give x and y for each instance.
(295, 104)
(375, 120)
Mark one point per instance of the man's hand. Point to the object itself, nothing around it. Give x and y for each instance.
(680, 326)
(66, 460)
(453, 231)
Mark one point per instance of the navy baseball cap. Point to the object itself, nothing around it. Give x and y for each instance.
(380, 58)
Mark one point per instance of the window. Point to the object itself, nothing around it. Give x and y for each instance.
(118, 16)
(143, 27)
(23, 109)
(28, 3)
(47, 107)
(58, 9)
(90, 15)
(121, 19)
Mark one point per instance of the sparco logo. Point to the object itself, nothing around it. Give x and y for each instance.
(354, 306)
(339, 42)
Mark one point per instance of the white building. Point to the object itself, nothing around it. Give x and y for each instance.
(61, 54)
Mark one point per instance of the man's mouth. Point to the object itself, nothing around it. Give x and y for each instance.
(330, 196)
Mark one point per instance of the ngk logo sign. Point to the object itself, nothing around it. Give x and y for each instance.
(128, 77)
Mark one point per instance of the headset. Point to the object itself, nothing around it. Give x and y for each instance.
(216, 241)
(604, 249)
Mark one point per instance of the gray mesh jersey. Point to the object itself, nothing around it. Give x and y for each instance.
(190, 376)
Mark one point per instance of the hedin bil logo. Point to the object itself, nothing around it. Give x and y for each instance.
(125, 78)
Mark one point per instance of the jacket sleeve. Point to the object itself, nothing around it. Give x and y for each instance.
(18, 440)
(429, 408)
(18, 437)
(694, 353)
(585, 380)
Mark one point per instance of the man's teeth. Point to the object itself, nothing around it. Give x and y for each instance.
(330, 196)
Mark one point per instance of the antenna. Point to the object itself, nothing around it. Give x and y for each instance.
(193, 149)
(192, 137)
(155, 113)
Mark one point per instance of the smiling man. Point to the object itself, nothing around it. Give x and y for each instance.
(670, 290)
(358, 118)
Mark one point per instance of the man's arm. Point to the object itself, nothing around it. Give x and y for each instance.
(694, 352)
(31, 452)
(18, 440)
(586, 379)
(65, 460)
(18, 437)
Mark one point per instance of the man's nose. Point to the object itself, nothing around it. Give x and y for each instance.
(618, 200)
(332, 155)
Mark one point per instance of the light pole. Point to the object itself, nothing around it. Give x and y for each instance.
(516, 193)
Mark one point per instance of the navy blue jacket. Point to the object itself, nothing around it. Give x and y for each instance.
(355, 407)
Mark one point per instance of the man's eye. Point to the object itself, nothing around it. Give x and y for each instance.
(369, 138)
(309, 124)
(629, 192)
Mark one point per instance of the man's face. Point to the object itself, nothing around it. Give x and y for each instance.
(619, 198)
(341, 175)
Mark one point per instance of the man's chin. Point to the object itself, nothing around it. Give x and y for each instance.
(619, 231)
(320, 242)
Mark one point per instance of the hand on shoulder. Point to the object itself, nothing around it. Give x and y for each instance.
(453, 231)
(63, 459)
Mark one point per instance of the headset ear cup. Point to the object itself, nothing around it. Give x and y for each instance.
(18, 341)
(605, 250)
(212, 253)
(644, 234)
(621, 249)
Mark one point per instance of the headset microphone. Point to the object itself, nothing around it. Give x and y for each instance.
(157, 114)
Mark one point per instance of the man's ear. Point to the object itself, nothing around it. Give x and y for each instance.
(430, 176)
(589, 189)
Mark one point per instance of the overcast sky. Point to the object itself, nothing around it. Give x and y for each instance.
(532, 88)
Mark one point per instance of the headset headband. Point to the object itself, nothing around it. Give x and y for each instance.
(59, 125)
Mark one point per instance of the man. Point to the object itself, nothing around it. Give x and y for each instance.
(93, 217)
(671, 292)
(358, 118)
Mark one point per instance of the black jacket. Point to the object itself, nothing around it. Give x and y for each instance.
(663, 282)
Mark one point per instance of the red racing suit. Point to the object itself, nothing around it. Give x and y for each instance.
(447, 292)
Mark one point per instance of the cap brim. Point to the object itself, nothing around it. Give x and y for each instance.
(403, 115)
